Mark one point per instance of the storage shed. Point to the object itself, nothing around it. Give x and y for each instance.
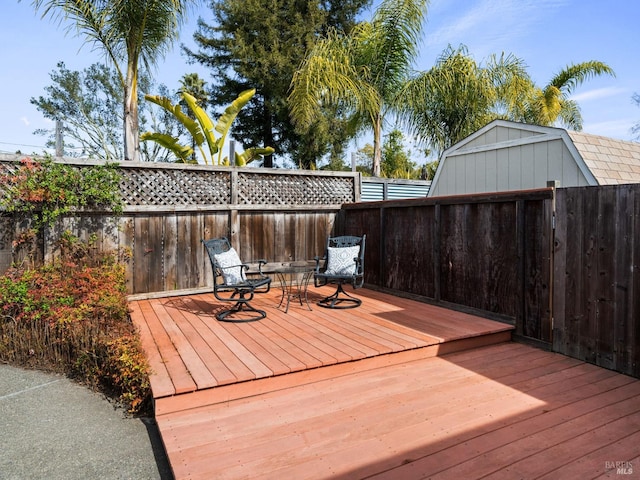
(506, 155)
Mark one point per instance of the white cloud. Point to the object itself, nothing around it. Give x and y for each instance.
(599, 93)
(620, 129)
(25, 120)
(492, 21)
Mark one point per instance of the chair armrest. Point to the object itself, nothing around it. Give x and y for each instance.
(261, 262)
(318, 259)
(241, 265)
(359, 267)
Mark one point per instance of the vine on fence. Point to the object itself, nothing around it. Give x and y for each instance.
(41, 191)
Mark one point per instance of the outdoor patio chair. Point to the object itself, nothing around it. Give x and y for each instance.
(343, 263)
(232, 284)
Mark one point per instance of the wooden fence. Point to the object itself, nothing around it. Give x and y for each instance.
(561, 265)
(565, 269)
(279, 215)
(488, 253)
(596, 301)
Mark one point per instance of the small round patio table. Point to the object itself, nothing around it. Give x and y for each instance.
(294, 280)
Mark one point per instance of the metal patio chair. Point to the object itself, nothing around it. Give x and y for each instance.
(231, 283)
(343, 263)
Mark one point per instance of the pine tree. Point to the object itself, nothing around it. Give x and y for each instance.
(260, 44)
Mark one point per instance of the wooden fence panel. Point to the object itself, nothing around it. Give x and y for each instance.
(409, 250)
(479, 256)
(489, 253)
(537, 263)
(174, 248)
(366, 219)
(625, 289)
(282, 237)
(597, 281)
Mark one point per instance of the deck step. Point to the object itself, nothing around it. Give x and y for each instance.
(501, 411)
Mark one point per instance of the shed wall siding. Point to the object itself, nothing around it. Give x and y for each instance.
(518, 167)
(499, 134)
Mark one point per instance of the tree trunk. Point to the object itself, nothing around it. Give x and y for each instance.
(131, 127)
(267, 136)
(377, 146)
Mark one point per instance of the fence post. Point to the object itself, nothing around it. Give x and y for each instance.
(234, 218)
(554, 185)
(520, 269)
(437, 253)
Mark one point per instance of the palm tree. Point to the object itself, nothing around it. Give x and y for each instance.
(192, 84)
(457, 96)
(361, 73)
(552, 103)
(129, 32)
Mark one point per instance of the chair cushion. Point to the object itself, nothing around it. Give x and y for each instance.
(225, 260)
(341, 260)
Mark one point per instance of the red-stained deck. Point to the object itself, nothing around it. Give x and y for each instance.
(394, 389)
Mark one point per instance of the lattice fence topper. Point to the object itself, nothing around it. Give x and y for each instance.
(172, 186)
(274, 189)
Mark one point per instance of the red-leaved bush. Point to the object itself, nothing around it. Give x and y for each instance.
(71, 316)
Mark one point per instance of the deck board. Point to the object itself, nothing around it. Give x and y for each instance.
(187, 343)
(381, 392)
(429, 418)
(170, 357)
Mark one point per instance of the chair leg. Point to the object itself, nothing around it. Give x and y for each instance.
(338, 298)
(238, 309)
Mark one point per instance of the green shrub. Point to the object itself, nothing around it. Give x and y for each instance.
(72, 317)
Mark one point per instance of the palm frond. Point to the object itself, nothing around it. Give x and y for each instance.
(393, 45)
(570, 115)
(328, 75)
(572, 76)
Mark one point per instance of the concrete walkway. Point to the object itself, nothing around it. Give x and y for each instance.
(52, 428)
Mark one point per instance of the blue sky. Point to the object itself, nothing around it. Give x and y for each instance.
(547, 34)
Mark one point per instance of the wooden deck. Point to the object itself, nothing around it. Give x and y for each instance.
(190, 350)
(395, 389)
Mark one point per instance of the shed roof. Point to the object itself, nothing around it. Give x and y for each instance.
(610, 160)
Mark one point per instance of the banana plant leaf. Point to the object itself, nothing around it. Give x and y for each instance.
(250, 154)
(190, 124)
(183, 152)
(231, 112)
(223, 125)
(205, 122)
